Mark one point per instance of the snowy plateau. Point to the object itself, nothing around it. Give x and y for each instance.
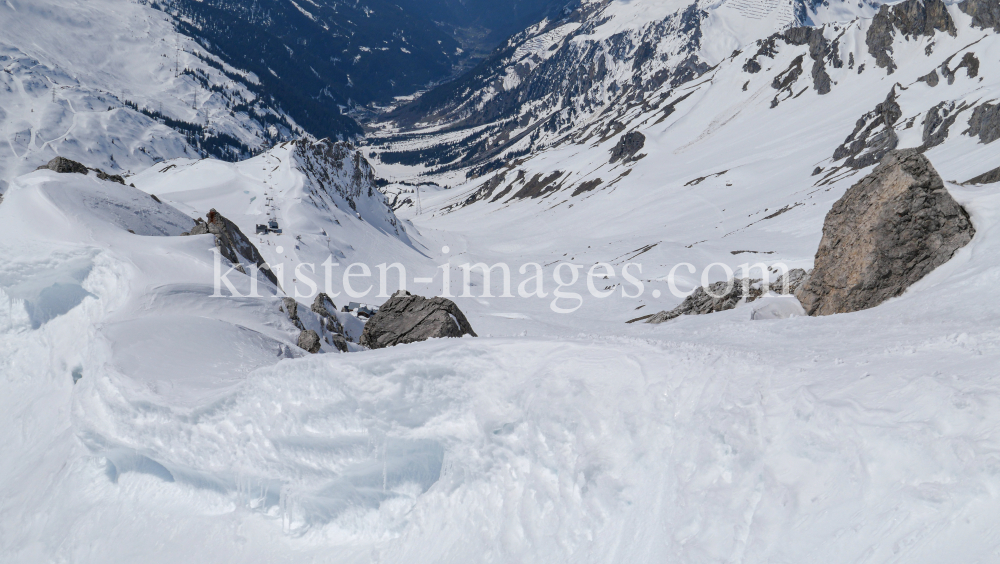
(144, 418)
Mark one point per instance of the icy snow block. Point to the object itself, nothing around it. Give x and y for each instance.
(773, 306)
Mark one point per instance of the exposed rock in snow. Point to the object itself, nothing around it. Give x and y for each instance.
(985, 178)
(985, 123)
(911, 18)
(726, 295)
(64, 166)
(291, 308)
(324, 307)
(233, 244)
(873, 136)
(406, 318)
(629, 144)
(938, 121)
(985, 13)
(887, 232)
(309, 341)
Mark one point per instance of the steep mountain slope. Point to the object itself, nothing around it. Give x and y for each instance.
(602, 58)
(322, 194)
(144, 417)
(155, 95)
(314, 56)
(481, 25)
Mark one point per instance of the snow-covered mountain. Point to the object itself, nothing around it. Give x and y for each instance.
(111, 83)
(601, 59)
(145, 418)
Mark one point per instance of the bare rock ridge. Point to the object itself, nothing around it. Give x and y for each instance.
(65, 166)
(887, 232)
(985, 13)
(911, 18)
(232, 243)
(723, 296)
(406, 318)
(874, 135)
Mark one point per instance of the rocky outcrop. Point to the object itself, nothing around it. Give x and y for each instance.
(723, 296)
(985, 13)
(324, 307)
(887, 232)
(232, 243)
(985, 123)
(63, 165)
(938, 121)
(820, 50)
(873, 136)
(309, 341)
(911, 18)
(629, 144)
(406, 318)
(291, 309)
(985, 178)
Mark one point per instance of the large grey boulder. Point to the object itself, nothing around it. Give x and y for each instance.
(309, 341)
(887, 232)
(63, 165)
(406, 318)
(232, 243)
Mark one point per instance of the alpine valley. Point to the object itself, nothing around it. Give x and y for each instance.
(219, 220)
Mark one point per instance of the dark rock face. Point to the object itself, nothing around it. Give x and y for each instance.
(930, 78)
(64, 166)
(985, 123)
(938, 121)
(873, 136)
(985, 13)
(819, 51)
(723, 296)
(309, 341)
(291, 308)
(406, 318)
(888, 231)
(984, 178)
(629, 144)
(232, 243)
(912, 18)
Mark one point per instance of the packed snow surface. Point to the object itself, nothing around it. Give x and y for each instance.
(144, 420)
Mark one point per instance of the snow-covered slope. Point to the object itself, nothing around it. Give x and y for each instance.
(144, 419)
(869, 436)
(598, 60)
(110, 83)
(322, 194)
(742, 163)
